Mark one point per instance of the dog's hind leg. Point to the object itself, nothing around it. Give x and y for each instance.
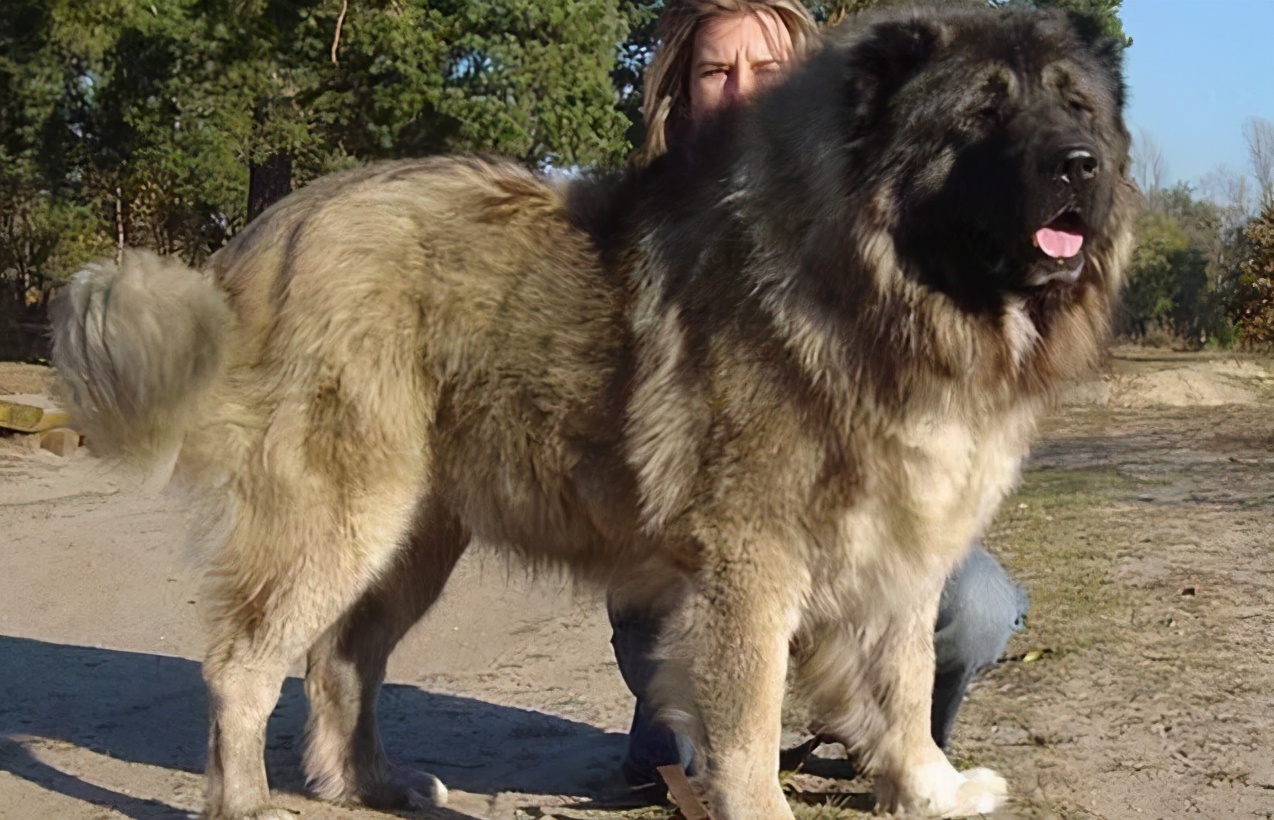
(344, 758)
(288, 572)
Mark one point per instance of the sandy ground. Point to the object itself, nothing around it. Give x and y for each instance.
(1144, 686)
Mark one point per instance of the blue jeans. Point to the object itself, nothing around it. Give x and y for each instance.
(981, 607)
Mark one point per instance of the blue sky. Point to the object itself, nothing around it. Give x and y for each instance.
(1196, 70)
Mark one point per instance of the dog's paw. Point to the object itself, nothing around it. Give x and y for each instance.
(982, 792)
(427, 791)
(267, 813)
(405, 789)
(938, 790)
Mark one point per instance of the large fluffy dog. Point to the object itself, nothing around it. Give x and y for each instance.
(781, 378)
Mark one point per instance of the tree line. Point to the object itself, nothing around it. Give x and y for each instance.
(170, 124)
(1202, 271)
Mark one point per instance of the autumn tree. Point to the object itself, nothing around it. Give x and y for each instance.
(1255, 291)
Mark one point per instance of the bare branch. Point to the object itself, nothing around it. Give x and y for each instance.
(1231, 191)
(1259, 133)
(340, 21)
(1149, 165)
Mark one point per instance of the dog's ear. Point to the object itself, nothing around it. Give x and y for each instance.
(1107, 50)
(889, 53)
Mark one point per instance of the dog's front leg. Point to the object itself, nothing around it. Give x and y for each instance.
(726, 653)
(913, 775)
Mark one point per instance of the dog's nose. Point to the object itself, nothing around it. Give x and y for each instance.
(1076, 165)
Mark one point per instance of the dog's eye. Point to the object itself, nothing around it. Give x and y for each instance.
(988, 116)
(1079, 106)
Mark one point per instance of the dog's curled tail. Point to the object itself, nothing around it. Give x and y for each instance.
(136, 346)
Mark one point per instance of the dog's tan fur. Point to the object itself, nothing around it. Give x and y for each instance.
(426, 352)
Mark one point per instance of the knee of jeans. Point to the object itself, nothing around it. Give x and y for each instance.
(634, 647)
(653, 744)
(981, 596)
(975, 633)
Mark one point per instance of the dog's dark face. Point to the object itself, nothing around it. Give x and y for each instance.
(1006, 146)
(988, 147)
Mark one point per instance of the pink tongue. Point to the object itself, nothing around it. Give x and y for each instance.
(1059, 244)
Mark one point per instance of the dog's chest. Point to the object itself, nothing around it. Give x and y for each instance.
(934, 483)
(950, 470)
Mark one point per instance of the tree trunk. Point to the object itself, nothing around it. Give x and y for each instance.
(119, 225)
(268, 182)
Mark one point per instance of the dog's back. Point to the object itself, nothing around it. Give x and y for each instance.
(430, 322)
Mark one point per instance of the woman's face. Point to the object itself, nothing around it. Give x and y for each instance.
(735, 55)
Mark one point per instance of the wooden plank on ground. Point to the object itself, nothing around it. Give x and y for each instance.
(27, 418)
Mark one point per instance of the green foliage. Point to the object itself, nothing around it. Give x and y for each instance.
(42, 238)
(1182, 277)
(147, 123)
(634, 54)
(1196, 277)
(46, 221)
(513, 87)
(1161, 261)
(138, 123)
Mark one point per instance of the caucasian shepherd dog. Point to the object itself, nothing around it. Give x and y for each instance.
(780, 380)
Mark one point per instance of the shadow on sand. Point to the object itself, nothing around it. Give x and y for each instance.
(151, 709)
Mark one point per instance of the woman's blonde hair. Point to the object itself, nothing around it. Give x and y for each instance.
(666, 89)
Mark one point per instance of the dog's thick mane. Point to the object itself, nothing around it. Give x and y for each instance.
(852, 311)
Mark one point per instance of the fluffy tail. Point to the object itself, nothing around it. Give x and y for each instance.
(136, 345)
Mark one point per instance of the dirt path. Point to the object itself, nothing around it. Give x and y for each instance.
(1143, 530)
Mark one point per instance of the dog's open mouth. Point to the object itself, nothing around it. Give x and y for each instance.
(1061, 243)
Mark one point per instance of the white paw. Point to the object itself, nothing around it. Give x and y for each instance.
(938, 790)
(433, 798)
(426, 792)
(982, 792)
